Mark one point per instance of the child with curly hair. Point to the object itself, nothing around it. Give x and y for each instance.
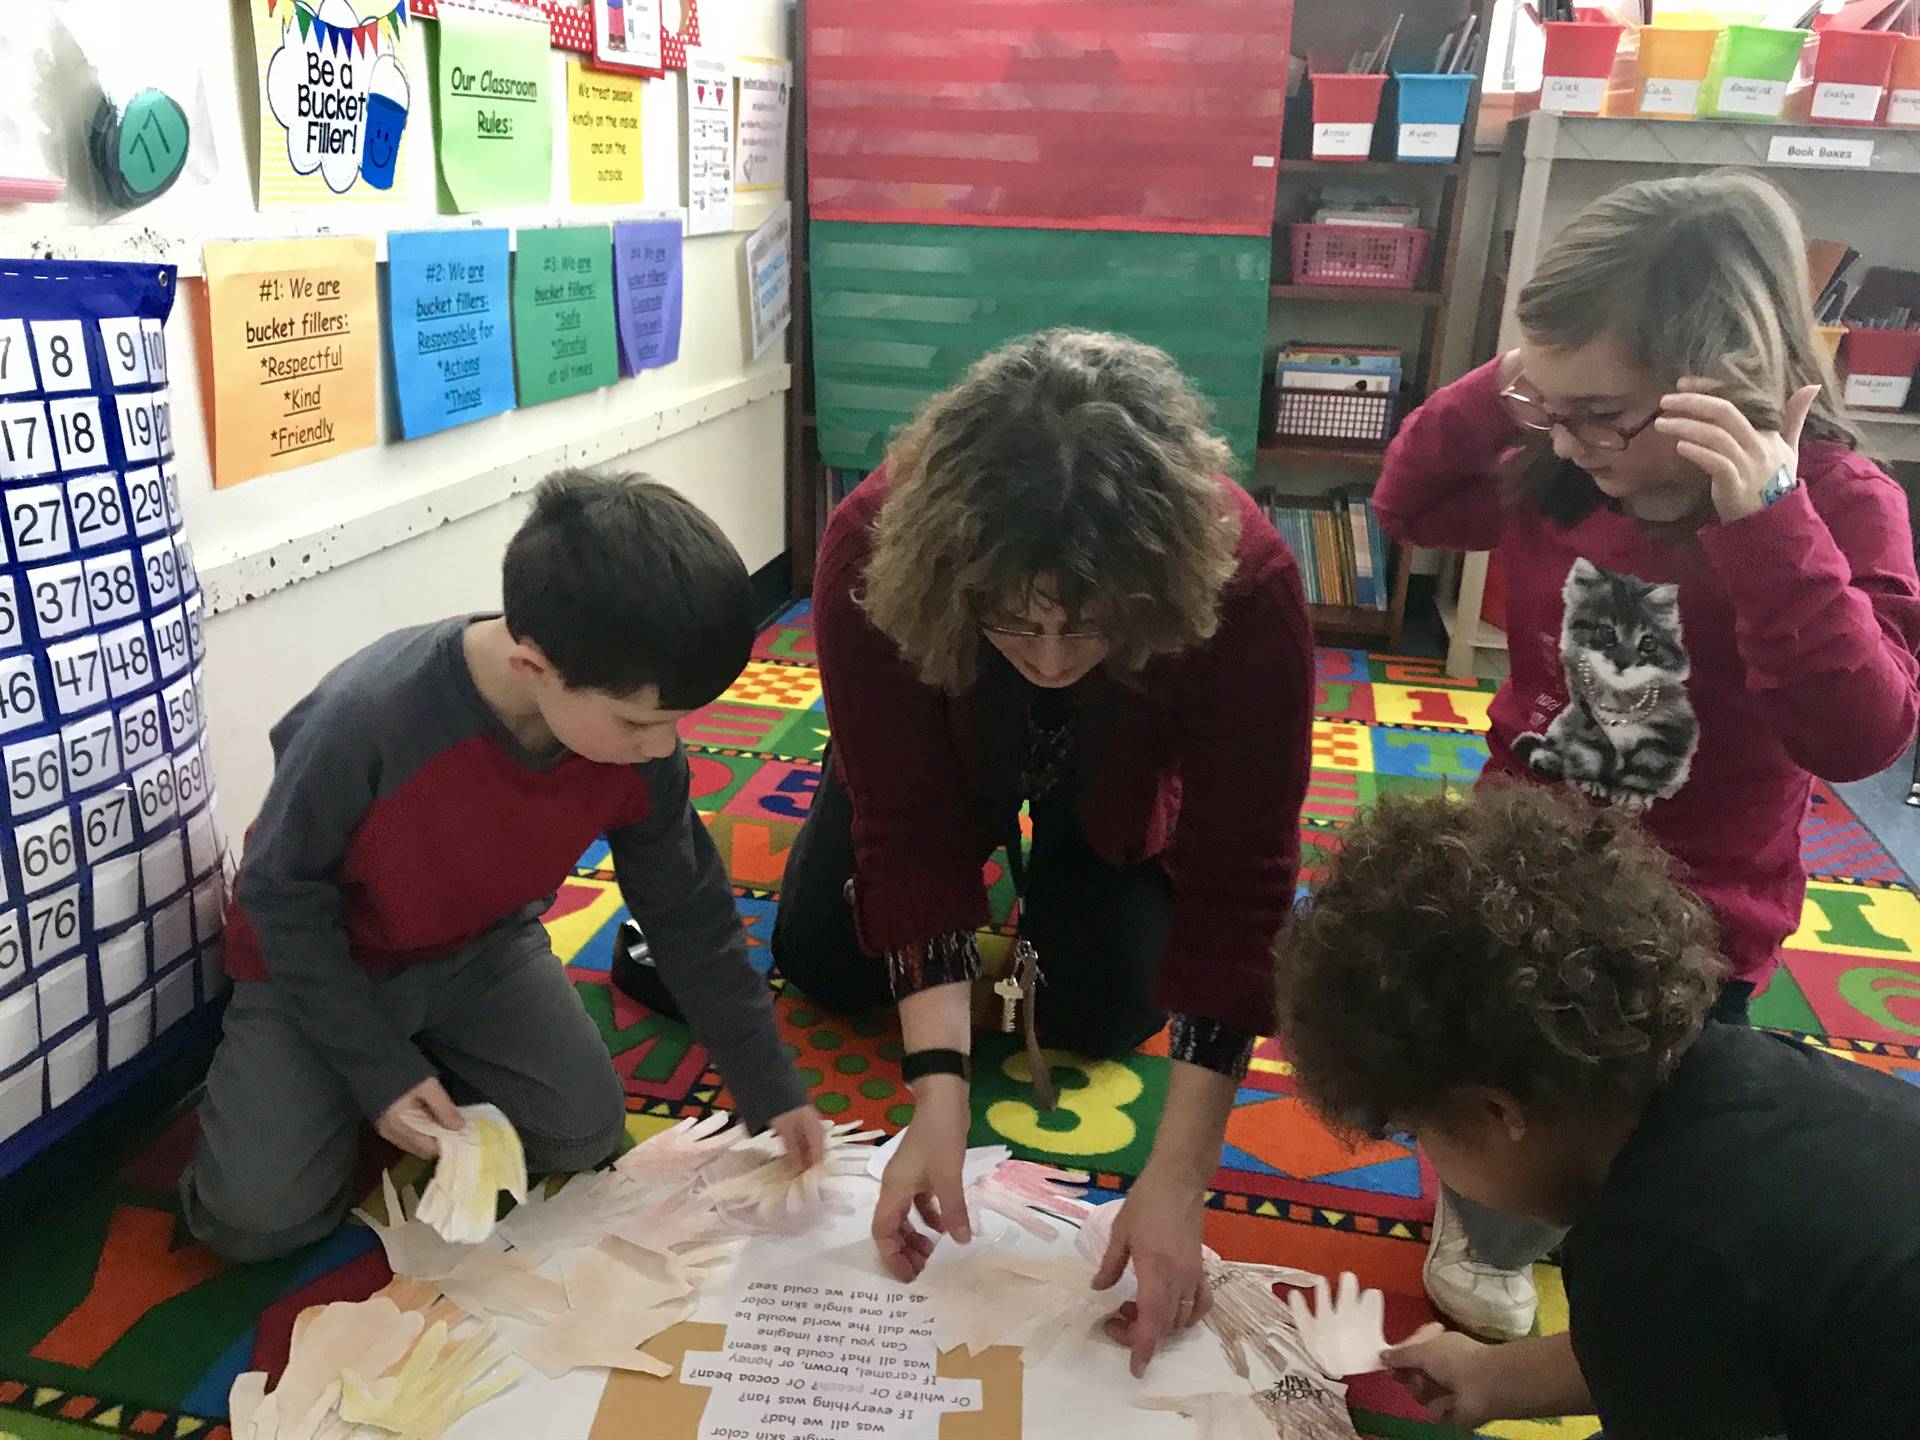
(1744, 1258)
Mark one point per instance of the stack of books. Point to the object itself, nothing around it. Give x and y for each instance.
(1340, 548)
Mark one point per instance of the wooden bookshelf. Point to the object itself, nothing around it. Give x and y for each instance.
(1440, 189)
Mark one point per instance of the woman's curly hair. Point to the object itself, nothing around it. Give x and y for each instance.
(1080, 456)
(1518, 938)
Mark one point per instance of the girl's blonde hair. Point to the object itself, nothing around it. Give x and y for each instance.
(1697, 275)
(1074, 455)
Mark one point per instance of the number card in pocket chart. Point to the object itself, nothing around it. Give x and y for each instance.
(563, 312)
(493, 110)
(111, 865)
(448, 325)
(296, 351)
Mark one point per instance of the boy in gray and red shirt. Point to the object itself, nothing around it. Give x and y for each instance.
(428, 799)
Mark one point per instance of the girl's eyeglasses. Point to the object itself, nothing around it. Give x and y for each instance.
(1529, 414)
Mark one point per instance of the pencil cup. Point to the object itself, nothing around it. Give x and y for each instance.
(1851, 70)
(1577, 66)
(1345, 108)
(1430, 113)
(1752, 67)
(1903, 85)
(1673, 66)
(1879, 365)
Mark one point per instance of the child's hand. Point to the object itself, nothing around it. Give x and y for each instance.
(1447, 1373)
(1739, 460)
(399, 1123)
(803, 1132)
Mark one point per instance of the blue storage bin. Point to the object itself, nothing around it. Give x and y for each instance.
(1430, 116)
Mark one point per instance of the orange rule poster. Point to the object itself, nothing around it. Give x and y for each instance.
(296, 353)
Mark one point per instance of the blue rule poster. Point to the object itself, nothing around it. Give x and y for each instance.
(448, 326)
(647, 293)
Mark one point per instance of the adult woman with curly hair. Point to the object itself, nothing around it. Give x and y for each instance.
(1518, 980)
(1050, 593)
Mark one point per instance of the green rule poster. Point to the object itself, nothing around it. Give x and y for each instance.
(494, 114)
(563, 339)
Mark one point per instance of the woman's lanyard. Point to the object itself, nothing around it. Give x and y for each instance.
(1022, 982)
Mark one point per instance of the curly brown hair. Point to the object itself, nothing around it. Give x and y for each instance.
(1515, 938)
(1071, 454)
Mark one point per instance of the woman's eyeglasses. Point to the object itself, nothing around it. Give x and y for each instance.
(1529, 414)
(1013, 632)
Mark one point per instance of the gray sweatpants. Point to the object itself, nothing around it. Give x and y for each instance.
(1506, 1242)
(279, 1130)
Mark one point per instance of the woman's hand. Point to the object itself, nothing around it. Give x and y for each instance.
(925, 1175)
(1448, 1373)
(1739, 460)
(802, 1132)
(1159, 1229)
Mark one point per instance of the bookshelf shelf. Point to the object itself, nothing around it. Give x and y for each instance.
(1351, 620)
(1488, 637)
(1368, 456)
(1290, 165)
(1360, 294)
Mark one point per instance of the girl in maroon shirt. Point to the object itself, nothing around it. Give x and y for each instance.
(1711, 596)
(1049, 594)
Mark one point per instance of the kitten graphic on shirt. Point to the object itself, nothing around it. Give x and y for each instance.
(1628, 733)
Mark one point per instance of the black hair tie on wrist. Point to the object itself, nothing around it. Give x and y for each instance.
(936, 1062)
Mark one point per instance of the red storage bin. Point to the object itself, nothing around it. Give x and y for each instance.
(1903, 89)
(1879, 365)
(1577, 65)
(1383, 255)
(1850, 73)
(1345, 109)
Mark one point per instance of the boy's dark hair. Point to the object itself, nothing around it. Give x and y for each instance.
(1515, 938)
(624, 583)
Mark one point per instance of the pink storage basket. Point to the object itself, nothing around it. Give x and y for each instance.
(1375, 255)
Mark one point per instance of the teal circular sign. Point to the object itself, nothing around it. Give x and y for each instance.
(141, 149)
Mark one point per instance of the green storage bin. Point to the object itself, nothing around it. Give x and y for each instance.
(1751, 69)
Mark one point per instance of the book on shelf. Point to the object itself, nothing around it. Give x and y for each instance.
(1339, 546)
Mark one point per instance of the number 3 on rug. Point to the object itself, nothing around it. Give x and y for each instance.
(1097, 1105)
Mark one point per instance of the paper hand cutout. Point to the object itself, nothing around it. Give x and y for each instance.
(440, 1382)
(772, 1189)
(1247, 1317)
(413, 1247)
(1346, 1334)
(1024, 1191)
(1294, 1408)
(370, 1336)
(679, 1153)
(476, 1163)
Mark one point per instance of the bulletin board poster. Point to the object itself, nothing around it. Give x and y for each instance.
(493, 110)
(762, 90)
(296, 353)
(626, 34)
(647, 291)
(563, 340)
(770, 279)
(112, 890)
(335, 100)
(447, 326)
(709, 140)
(603, 137)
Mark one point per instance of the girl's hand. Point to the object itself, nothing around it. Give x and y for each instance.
(1159, 1227)
(428, 1102)
(1449, 1374)
(1739, 460)
(925, 1175)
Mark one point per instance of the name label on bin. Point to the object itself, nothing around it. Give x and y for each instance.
(1342, 139)
(1820, 150)
(1846, 102)
(1903, 107)
(1429, 142)
(1744, 95)
(1669, 97)
(1573, 94)
(1878, 392)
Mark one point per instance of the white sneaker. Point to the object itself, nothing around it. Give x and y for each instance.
(1490, 1303)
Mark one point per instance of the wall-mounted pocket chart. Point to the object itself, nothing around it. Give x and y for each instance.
(112, 888)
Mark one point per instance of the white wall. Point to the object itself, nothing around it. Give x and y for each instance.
(268, 639)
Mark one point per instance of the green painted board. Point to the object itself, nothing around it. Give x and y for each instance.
(563, 312)
(901, 311)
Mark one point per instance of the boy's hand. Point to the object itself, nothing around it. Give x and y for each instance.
(1449, 1374)
(399, 1123)
(802, 1131)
